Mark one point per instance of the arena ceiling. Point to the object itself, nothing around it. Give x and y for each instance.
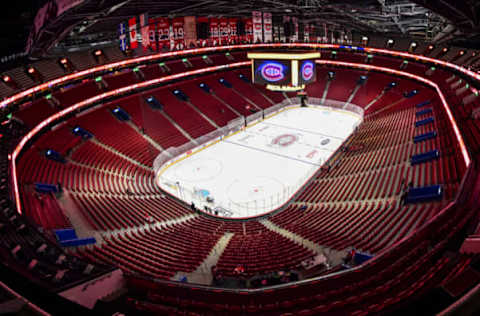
(96, 21)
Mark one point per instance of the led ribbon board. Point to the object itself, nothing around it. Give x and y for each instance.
(283, 71)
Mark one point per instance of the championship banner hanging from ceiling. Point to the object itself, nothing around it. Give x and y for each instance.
(287, 33)
(163, 33)
(144, 30)
(214, 32)
(257, 26)
(224, 32)
(152, 30)
(177, 37)
(132, 29)
(306, 32)
(122, 31)
(190, 26)
(248, 30)
(267, 27)
(295, 29)
(233, 32)
(202, 33)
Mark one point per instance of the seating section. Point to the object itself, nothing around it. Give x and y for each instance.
(184, 115)
(152, 122)
(207, 104)
(120, 79)
(342, 86)
(111, 212)
(355, 202)
(228, 95)
(70, 95)
(415, 266)
(371, 89)
(158, 253)
(247, 90)
(261, 253)
(45, 210)
(35, 112)
(129, 142)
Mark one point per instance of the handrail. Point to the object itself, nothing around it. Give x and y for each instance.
(23, 299)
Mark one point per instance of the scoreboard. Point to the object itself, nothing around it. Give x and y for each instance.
(284, 71)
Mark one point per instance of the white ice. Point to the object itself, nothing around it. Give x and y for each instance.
(257, 170)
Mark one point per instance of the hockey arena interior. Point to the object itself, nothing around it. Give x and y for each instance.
(270, 157)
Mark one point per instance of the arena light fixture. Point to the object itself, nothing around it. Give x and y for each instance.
(34, 74)
(429, 49)
(413, 47)
(390, 43)
(364, 40)
(6, 78)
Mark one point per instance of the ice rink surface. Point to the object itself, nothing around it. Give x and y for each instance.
(258, 169)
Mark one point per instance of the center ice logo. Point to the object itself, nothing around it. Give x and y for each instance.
(284, 140)
(272, 71)
(307, 70)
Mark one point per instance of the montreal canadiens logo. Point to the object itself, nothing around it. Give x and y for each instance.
(272, 71)
(307, 70)
(284, 140)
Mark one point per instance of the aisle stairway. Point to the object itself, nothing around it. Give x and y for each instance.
(333, 256)
(203, 274)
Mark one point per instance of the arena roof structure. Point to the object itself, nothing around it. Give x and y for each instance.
(88, 22)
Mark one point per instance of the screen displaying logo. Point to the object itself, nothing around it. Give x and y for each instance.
(307, 70)
(272, 71)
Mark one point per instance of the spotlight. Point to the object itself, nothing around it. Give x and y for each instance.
(365, 40)
(390, 43)
(65, 63)
(99, 56)
(429, 49)
(9, 82)
(413, 47)
(34, 74)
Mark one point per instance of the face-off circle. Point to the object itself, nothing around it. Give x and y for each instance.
(325, 141)
(198, 170)
(284, 140)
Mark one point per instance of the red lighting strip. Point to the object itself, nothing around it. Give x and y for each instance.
(96, 98)
(143, 59)
(458, 135)
(126, 63)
